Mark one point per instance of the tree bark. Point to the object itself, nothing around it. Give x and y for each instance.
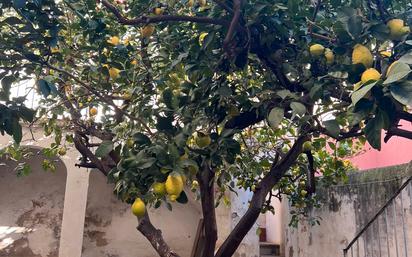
(155, 237)
(277, 171)
(206, 182)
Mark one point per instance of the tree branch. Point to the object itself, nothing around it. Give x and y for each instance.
(207, 194)
(394, 131)
(233, 23)
(161, 18)
(155, 237)
(277, 171)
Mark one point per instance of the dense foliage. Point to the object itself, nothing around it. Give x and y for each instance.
(218, 94)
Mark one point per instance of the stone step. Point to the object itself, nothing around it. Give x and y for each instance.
(269, 249)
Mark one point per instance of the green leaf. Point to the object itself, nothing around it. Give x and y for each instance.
(332, 127)
(373, 130)
(402, 92)
(182, 198)
(298, 108)
(43, 87)
(407, 58)
(141, 139)
(19, 3)
(26, 113)
(17, 132)
(104, 149)
(398, 71)
(360, 93)
(275, 117)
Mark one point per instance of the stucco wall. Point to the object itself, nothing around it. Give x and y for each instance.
(347, 208)
(110, 228)
(31, 209)
(45, 214)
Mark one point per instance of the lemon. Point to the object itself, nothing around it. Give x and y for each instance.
(62, 151)
(316, 50)
(190, 3)
(397, 29)
(158, 11)
(385, 54)
(93, 111)
(390, 67)
(138, 208)
(133, 62)
(361, 54)
(307, 146)
(55, 50)
(159, 189)
(130, 142)
(202, 140)
(114, 40)
(330, 56)
(370, 74)
(114, 73)
(202, 3)
(195, 184)
(127, 96)
(174, 186)
(303, 192)
(147, 30)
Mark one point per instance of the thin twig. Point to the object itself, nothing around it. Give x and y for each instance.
(161, 18)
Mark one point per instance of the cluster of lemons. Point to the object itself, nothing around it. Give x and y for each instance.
(362, 55)
(174, 184)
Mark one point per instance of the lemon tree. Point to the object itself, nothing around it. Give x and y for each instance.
(209, 96)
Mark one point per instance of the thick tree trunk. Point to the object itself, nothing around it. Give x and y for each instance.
(206, 182)
(277, 171)
(155, 237)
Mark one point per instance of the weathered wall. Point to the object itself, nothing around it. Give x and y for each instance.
(45, 214)
(31, 210)
(347, 208)
(110, 228)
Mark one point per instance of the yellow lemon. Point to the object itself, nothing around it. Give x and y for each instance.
(138, 208)
(202, 140)
(385, 54)
(330, 56)
(174, 186)
(397, 29)
(127, 96)
(316, 50)
(62, 151)
(303, 192)
(370, 74)
(114, 40)
(190, 3)
(147, 30)
(93, 111)
(159, 189)
(55, 50)
(361, 54)
(134, 62)
(158, 11)
(114, 73)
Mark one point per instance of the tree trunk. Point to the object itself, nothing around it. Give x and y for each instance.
(277, 171)
(206, 182)
(155, 237)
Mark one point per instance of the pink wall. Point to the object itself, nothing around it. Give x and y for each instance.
(397, 151)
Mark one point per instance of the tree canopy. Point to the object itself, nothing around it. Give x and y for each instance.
(168, 96)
